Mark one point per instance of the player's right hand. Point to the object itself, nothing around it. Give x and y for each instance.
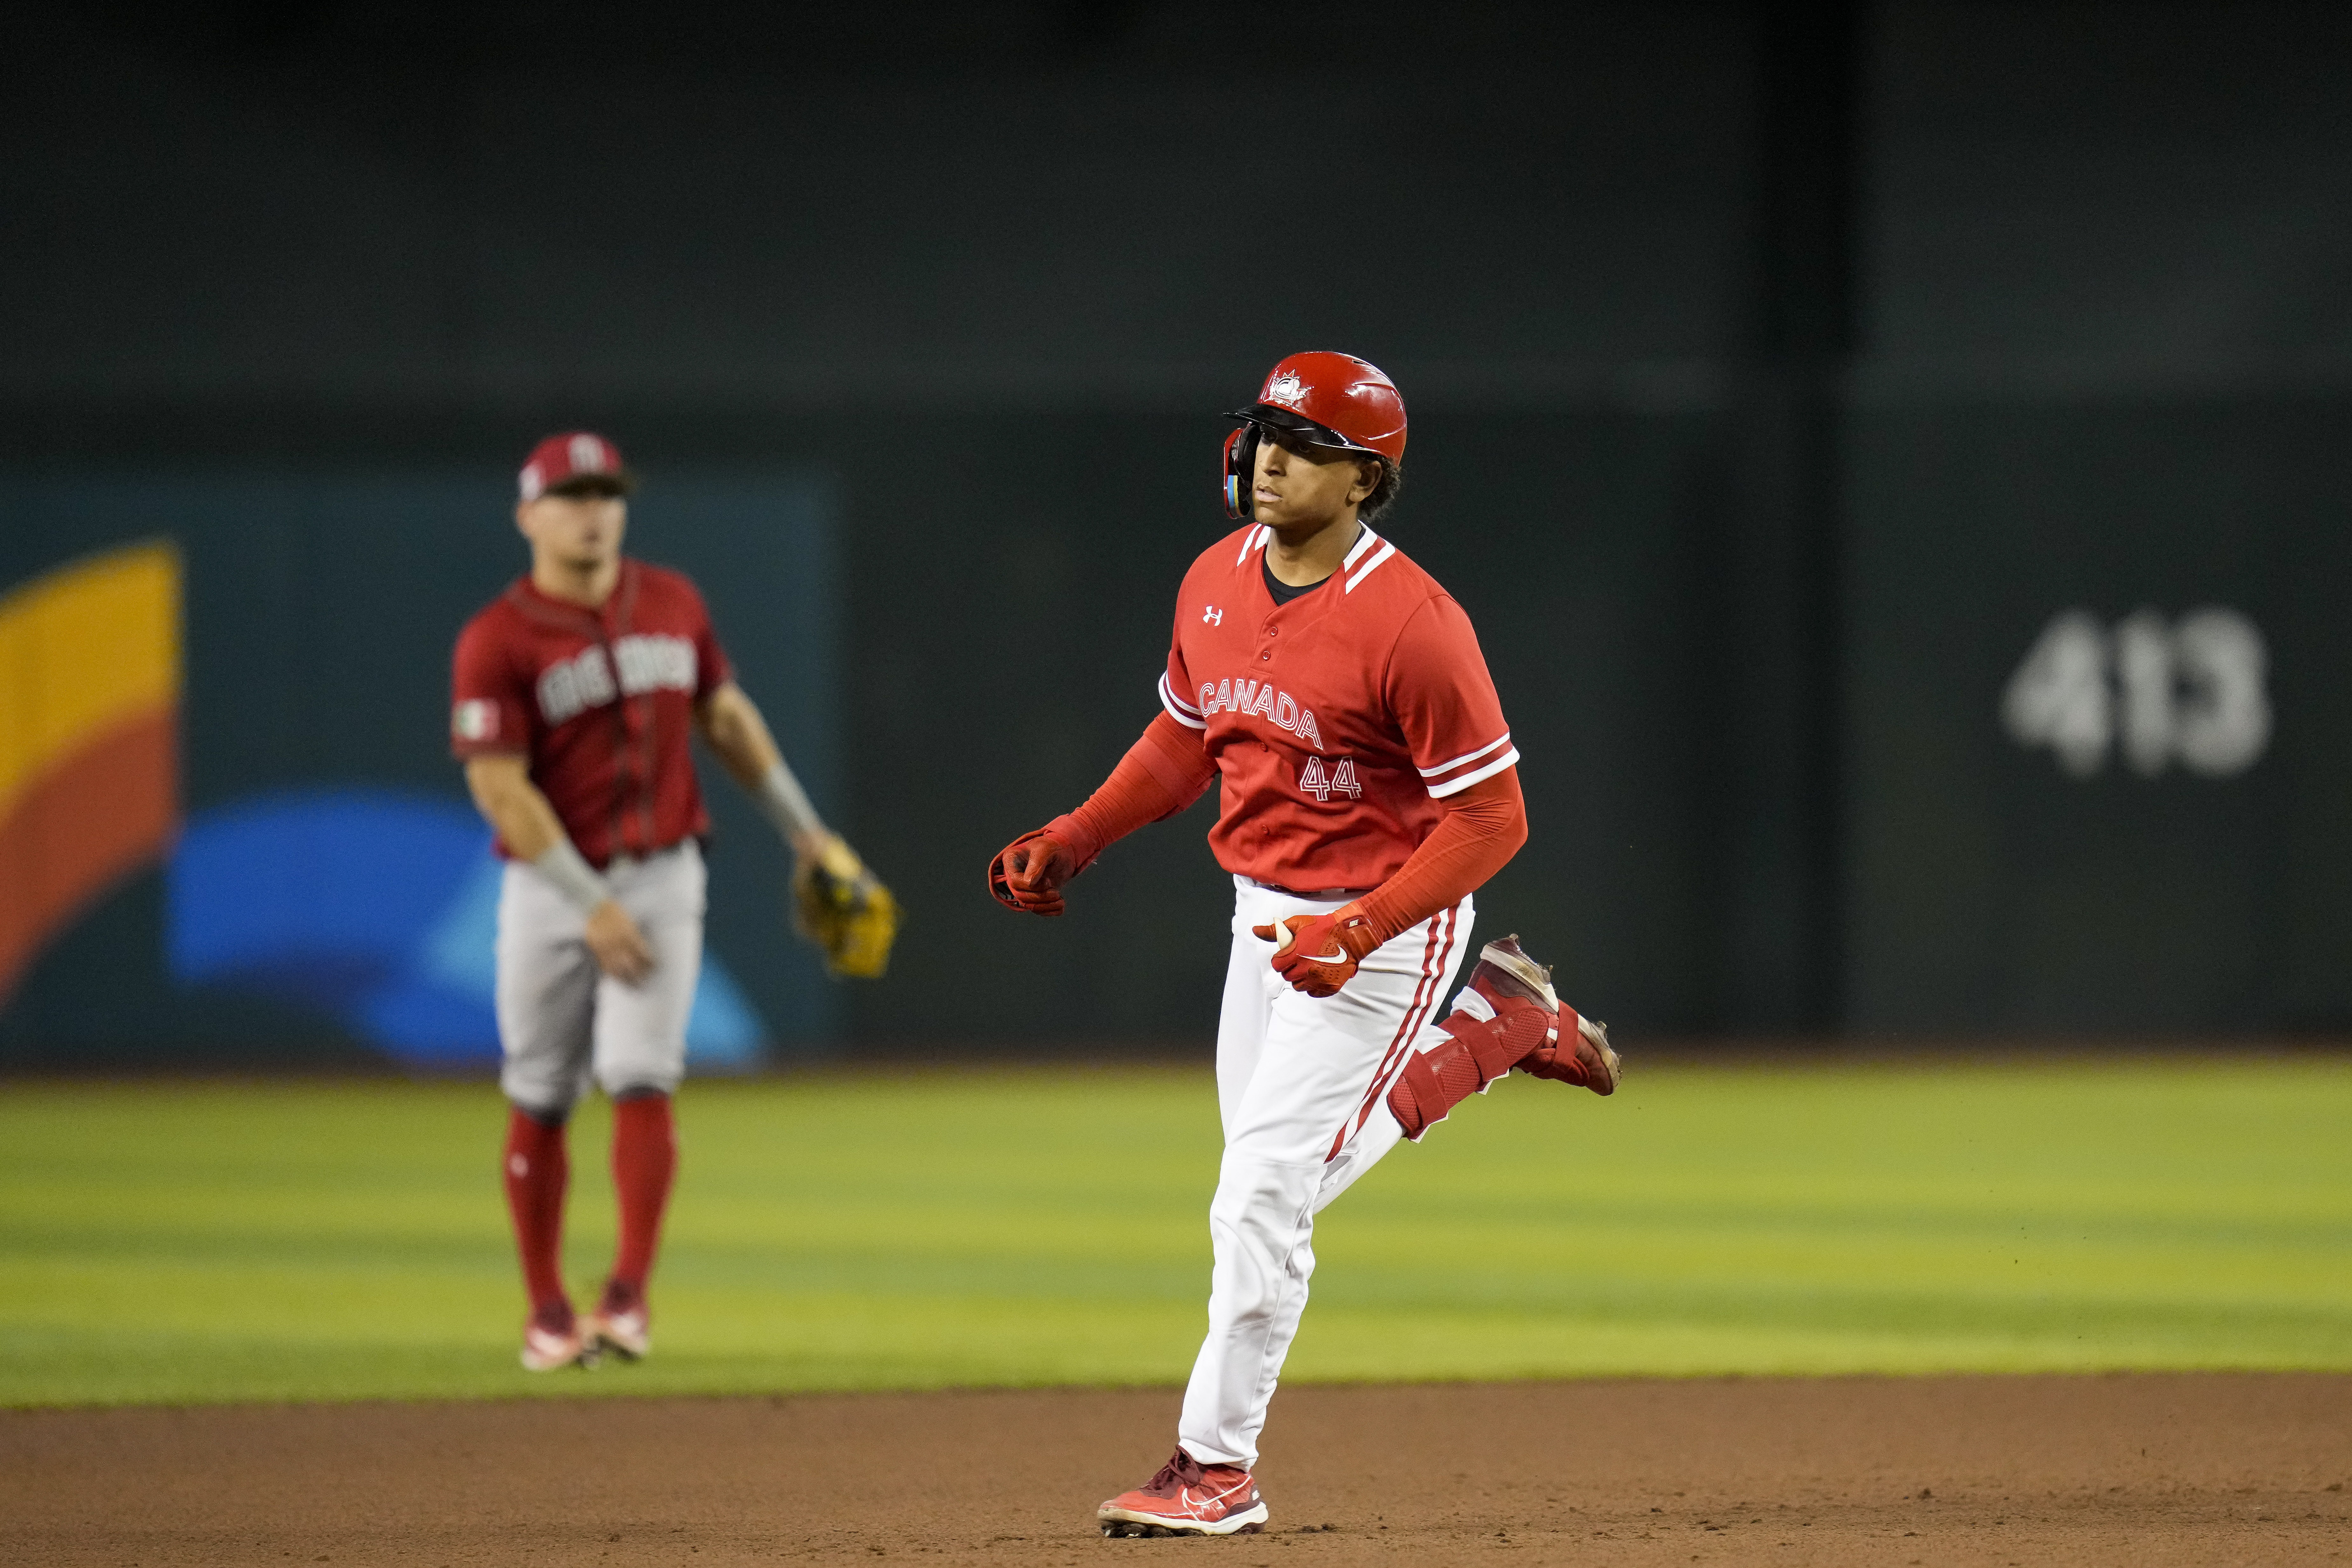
(1319, 954)
(621, 949)
(1028, 873)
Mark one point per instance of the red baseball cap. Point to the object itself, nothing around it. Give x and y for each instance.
(571, 457)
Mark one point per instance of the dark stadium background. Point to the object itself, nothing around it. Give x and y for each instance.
(1776, 373)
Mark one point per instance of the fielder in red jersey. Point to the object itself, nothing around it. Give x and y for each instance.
(1338, 696)
(574, 696)
(600, 700)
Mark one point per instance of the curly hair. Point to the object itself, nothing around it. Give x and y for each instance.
(1385, 494)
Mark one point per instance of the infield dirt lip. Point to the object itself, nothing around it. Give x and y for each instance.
(2183, 1469)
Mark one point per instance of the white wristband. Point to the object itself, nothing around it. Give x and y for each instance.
(786, 803)
(574, 877)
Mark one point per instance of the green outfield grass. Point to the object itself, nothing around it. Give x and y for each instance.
(185, 1242)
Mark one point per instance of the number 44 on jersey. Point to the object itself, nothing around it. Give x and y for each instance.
(1340, 779)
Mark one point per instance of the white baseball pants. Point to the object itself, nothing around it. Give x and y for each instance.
(1302, 1084)
(561, 1020)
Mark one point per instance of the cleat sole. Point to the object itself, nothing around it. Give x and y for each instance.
(1596, 1035)
(619, 1351)
(1252, 1522)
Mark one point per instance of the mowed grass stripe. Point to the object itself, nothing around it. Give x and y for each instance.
(198, 1241)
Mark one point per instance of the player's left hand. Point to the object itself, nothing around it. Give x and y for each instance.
(1319, 954)
(844, 909)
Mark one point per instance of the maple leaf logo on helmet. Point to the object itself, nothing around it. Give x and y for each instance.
(1285, 389)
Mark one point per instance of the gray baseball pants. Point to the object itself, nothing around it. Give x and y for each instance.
(563, 1021)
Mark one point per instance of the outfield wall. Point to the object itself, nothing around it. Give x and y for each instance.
(2049, 711)
(325, 893)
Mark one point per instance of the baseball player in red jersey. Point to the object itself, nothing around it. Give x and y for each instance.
(1338, 695)
(574, 692)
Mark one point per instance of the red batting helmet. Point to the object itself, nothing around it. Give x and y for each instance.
(575, 458)
(1325, 400)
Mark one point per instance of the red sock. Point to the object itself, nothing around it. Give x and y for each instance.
(537, 1170)
(645, 1160)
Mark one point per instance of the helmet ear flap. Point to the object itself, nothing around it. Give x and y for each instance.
(1240, 469)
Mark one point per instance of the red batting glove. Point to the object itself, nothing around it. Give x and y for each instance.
(1319, 952)
(1028, 873)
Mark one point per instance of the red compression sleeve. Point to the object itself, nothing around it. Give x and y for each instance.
(1162, 774)
(1483, 827)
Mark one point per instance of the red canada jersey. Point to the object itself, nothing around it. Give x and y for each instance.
(602, 701)
(1338, 721)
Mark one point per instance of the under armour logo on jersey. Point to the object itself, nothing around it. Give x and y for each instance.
(1341, 780)
(1212, 616)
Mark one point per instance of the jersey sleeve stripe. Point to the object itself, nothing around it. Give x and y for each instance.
(1168, 693)
(1371, 566)
(1356, 551)
(1465, 757)
(1177, 710)
(1455, 786)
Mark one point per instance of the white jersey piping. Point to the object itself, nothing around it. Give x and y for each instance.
(1465, 757)
(1183, 712)
(1372, 565)
(1455, 786)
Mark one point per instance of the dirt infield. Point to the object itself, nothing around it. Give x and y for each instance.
(2140, 1469)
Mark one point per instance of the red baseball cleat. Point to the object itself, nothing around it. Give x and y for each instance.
(1507, 977)
(621, 1323)
(552, 1341)
(1188, 1497)
(1504, 971)
(1591, 1065)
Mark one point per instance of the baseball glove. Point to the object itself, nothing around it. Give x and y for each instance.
(845, 910)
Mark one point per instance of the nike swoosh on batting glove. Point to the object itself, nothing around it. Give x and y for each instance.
(1028, 873)
(1323, 950)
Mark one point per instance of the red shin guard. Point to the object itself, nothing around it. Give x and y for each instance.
(536, 1170)
(1476, 1053)
(645, 1161)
